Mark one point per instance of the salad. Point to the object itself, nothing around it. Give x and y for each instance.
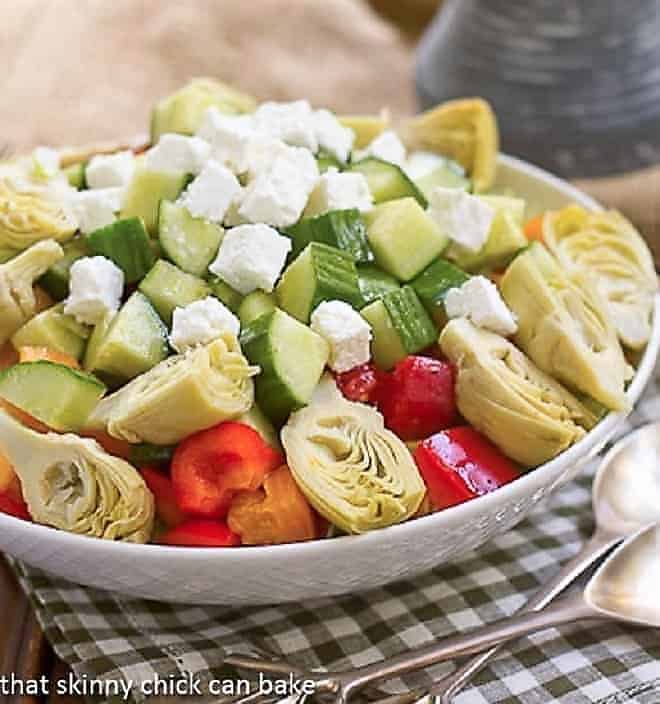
(272, 324)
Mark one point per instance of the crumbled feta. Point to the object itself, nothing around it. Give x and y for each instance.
(479, 300)
(46, 162)
(230, 137)
(340, 191)
(279, 195)
(251, 257)
(292, 122)
(261, 152)
(96, 208)
(332, 136)
(421, 163)
(210, 194)
(110, 170)
(201, 322)
(176, 152)
(96, 285)
(464, 218)
(387, 146)
(347, 333)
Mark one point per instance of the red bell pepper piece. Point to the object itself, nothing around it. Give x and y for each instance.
(210, 466)
(417, 398)
(460, 464)
(14, 507)
(360, 383)
(203, 534)
(161, 487)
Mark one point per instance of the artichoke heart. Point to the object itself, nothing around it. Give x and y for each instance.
(564, 328)
(523, 410)
(70, 483)
(354, 472)
(183, 394)
(608, 246)
(17, 276)
(30, 212)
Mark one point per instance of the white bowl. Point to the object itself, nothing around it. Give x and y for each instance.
(261, 575)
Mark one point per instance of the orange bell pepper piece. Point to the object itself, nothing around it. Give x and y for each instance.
(34, 354)
(25, 418)
(8, 356)
(534, 228)
(276, 513)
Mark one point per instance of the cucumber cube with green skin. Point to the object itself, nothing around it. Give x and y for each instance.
(387, 181)
(343, 229)
(57, 395)
(127, 244)
(128, 344)
(145, 191)
(326, 161)
(505, 239)
(320, 273)
(254, 305)
(374, 283)
(226, 294)
(191, 243)
(403, 237)
(292, 358)
(432, 285)
(56, 280)
(53, 329)
(449, 175)
(400, 326)
(167, 287)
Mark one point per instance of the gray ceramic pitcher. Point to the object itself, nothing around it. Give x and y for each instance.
(575, 83)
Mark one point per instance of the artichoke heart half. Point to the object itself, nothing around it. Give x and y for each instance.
(181, 395)
(354, 472)
(17, 276)
(608, 246)
(564, 328)
(70, 483)
(524, 411)
(30, 212)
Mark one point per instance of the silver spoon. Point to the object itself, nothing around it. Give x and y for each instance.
(619, 591)
(626, 497)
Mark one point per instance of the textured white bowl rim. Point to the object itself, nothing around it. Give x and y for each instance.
(341, 547)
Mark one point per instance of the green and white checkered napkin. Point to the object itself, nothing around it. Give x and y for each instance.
(105, 636)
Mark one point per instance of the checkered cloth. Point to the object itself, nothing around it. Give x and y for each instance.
(102, 635)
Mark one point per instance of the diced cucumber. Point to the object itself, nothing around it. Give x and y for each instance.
(254, 305)
(387, 181)
(53, 329)
(374, 283)
(403, 237)
(343, 229)
(320, 273)
(191, 243)
(514, 206)
(326, 161)
(134, 341)
(55, 394)
(126, 243)
(146, 454)
(225, 293)
(256, 419)
(167, 287)
(76, 175)
(400, 326)
(145, 191)
(432, 285)
(56, 280)
(291, 357)
(449, 175)
(366, 127)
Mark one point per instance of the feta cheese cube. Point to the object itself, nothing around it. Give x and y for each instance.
(479, 301)
(340, 191)
(210, 194)
(279, 195)
(291, 122)
(251, 257)
(464, 218)
(110, 170)
(176, 152)
(347, 333)
(387, 146)
(96, 208)
(46, 162)
(332, 136)
(229, 136)
(421, 163)
(201, 322)
(261, 152)
(96, 285)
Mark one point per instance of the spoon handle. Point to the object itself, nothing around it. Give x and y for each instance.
(571, 608)
(594, 548)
